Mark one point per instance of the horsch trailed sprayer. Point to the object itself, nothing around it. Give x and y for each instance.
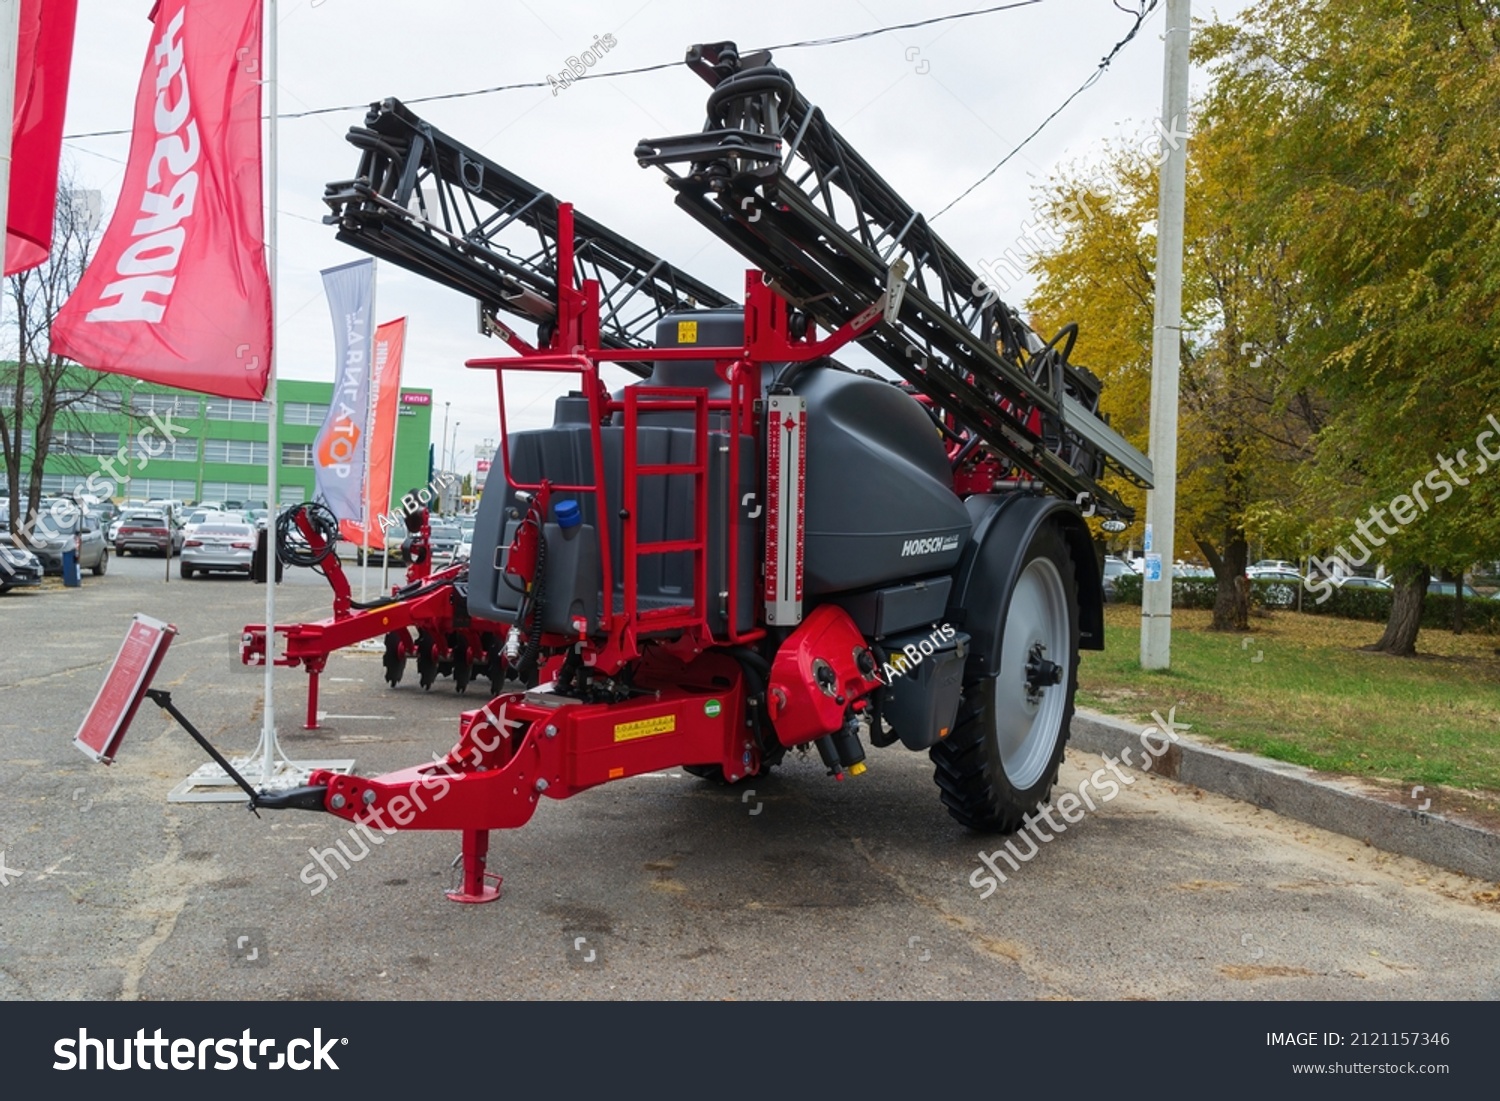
(752, 549)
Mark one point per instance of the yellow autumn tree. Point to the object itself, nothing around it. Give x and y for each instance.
(1241, 430)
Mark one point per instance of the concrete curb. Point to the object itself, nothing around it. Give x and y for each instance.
(1300, 793)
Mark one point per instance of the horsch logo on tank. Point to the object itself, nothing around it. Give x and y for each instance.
(931, 545)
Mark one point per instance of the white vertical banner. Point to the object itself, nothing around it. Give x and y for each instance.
(340, 453)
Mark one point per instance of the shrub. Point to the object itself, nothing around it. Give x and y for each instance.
(1187, 592)
(1371, 605)
(1480, 615)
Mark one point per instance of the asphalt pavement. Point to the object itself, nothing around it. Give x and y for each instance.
(663, 886)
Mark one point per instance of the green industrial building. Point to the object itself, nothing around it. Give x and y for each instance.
(155, 442)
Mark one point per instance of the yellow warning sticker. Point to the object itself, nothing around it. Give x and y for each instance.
(687, 332)
(644, 728)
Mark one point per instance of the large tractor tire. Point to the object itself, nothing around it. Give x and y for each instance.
(999, 764)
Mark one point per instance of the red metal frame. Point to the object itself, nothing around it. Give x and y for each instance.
(309, 644)
(689, 702)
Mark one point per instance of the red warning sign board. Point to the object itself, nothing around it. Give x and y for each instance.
(109, 718)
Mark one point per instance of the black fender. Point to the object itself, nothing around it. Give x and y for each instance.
(986, 573)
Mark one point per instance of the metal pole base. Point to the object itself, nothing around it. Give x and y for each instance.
(211, 784)
(477, 882)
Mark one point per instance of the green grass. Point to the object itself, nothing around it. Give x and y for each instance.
(1314, 698)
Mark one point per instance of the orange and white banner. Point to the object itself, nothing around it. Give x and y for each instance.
(385, 383)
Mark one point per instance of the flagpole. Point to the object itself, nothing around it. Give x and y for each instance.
(266, 765)
(273, 464)
(390, 490)
(371, 374)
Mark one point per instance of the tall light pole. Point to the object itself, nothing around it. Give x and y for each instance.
(452, 461)
(1166, 345)
(443, 451)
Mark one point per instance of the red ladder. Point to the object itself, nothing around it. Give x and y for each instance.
(662, 399)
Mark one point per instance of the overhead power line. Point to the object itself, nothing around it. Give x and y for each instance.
(807, 43)
(1147, 7)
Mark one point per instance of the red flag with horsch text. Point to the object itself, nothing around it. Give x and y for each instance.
(178, 291)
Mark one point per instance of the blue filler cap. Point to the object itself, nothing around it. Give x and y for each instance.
(568, 514)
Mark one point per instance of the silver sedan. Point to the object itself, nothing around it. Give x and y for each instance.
(219, 548)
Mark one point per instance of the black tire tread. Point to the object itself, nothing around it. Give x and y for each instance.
(970, 778)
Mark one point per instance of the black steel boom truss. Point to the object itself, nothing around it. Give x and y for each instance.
(775, 180)
(438, 208)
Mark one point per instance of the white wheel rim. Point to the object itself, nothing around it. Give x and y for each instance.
(1028, 723)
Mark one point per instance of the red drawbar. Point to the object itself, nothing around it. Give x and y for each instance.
(524, 745)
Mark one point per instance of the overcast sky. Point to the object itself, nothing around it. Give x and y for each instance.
(932, 109)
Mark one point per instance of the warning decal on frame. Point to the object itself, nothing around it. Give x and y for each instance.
(645, 728)
(687, 332)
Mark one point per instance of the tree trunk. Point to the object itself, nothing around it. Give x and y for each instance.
(1232, 599)
(1458, 602)
(1410, 593)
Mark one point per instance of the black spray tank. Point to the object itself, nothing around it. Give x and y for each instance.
(880, 501)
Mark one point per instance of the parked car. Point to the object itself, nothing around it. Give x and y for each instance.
(61, 526)
(393, 549)
(18, 566)
(1114, 568)
(114, 528)
(1362, 583)
(154, 532)
(218, 548)
(445, 538)
(197, 518)
(107, 511)
(1449, 588)
(1283, 594)
(1274, 564)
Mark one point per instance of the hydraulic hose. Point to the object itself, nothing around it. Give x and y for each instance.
(322, 520)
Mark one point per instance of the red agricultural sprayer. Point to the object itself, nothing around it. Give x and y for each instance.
(752, 548)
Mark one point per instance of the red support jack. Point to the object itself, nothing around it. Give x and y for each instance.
(476, 886)
(314, 667)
